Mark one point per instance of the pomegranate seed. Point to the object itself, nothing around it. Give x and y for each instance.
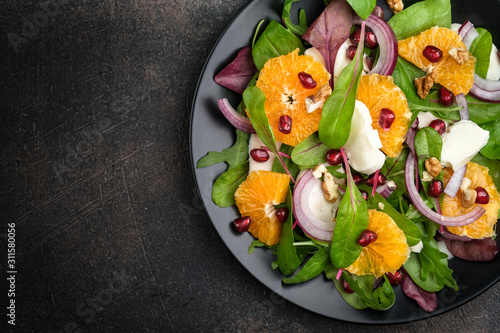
(364, 194)
(259, 155)
(285, 124)
(436, 188)
(371, 40)
(351, 52)
(334, 157)
(432, 53)
(282, 214)
(370, 181)
(307, 81)
(482, 197)
(369, 62)
(356, 35)
(358, 178)
(386, 118)
(346, 287)
(241, 224)
(367, 237)
(439, 125)
(395, 278)
(445, 97)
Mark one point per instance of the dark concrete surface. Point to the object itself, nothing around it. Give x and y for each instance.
(95, 173)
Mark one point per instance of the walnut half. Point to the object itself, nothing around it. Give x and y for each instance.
(424, 84)
(461, 56)
(468, 194)
(396, 5)
(433, 166)
(329, 187)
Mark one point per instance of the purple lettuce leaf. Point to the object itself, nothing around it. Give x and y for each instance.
(473, 250)
(239, 72)
(426, 299)
(330, 30)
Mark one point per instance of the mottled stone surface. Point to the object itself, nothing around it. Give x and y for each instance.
(96, 174)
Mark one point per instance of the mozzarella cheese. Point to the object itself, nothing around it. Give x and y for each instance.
(494, 68)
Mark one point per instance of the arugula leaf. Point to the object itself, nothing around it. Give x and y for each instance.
(273, 42)
(481, 49)
(336, 117)
(285, 16)
(233, 155)
(255, 244)
(227, 183)
(492, 148)
(288, 261)
(292, 167)
(310, 152)
(363, 7)
(380, 299)
(312, 268)
(421, 16)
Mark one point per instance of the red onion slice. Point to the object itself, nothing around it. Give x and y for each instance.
(485, 90)
(455, 182)
(386, 189)
(447, 221)
(464, 111)
(388, 51)
(237, 120)
(468, 33)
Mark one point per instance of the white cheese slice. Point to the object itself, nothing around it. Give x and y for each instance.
(494, 68)
(256, 143)
(461, 142)
(417, 248)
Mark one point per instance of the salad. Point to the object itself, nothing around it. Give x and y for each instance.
(366, 149)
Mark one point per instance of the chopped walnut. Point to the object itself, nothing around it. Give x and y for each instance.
(315, 102)
(424, 84)
(461, 56)
(468, 194)
(319, 170)
(433, 166)
(426, 177)
(396, 5)
(329, 187)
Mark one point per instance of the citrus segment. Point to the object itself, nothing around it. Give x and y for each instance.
(483, 227)
(458, 79)
(256, 197)
(285, 94)
(379, 92)
(387, 253)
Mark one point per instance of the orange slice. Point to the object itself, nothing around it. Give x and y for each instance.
(285, 95)
(256, 197)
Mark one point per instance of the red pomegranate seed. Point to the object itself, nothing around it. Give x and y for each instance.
(334, 157)
(395, 278)
(285, 124)
(386, 118)
(370, 181)
(241, 224)
(436, 188)
(356, 35)
(351, 52)
(364, 194)
(371, 40)
(358, 178)
(369, 62)
(346, 287)
(439, 125)
(445, 97)
(282, 214)
(432, 53)
(482, 197)
(259, 155)
(367, 237)
(307, 81)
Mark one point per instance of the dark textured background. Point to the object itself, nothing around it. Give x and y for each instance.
(96, 174)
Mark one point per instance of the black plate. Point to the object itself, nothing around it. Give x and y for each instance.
(210, 131)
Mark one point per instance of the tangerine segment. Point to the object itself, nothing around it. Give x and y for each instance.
(285, 95)
(256, 197)
(389, 251)
(378, 92)
(483, 227)
(458, 79)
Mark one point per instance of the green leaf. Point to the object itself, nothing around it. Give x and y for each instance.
(273, 42)
(363, 7)
(421, 16)
(310, 152)
(482, 112)
(226, 185)
(296, 29)
(313, 267)
(379, 299)
(292, 167)
(233, 155)
(404, 74)
(353, 299)
(481, 49)
(393, 169)
(492, 148)
(288, 261)
(492, 165)
(256, 243)
(335, 123)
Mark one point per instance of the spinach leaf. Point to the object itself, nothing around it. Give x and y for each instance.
(481, 49)
(353, 299)
(492, 148)
(492, 165)
(312, 268)
(310, 152)
(482, 112)
(285, 16)
(393, 169)
(335, 123)
(363, 7)
(233, 155)
(421, 16)
(288, 260)
(404, 74)
(226, 185)
(380, 299)
(292, 167)
(273, 42)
